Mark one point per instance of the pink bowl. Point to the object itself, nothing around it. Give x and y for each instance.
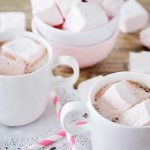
(87, 55)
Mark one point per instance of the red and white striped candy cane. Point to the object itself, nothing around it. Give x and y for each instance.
(47, 141)
(58, 107)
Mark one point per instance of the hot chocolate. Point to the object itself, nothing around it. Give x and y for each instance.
(21, 55)
(124, 102)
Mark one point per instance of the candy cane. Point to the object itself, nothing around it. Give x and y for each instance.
(58, 107)
(47, 141)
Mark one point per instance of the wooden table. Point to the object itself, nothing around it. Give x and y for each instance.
(117, 60)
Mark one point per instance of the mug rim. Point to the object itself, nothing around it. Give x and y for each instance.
(125, 75)
(5, 36)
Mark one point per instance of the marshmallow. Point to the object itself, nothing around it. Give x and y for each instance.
(145, 37)
(85, 86)
(24, 49)
(120, 97)
(47, 11)
(139, 62)
(138, 115)
(38, 64)
(96, 1)
(133, 17)
(65, 5)
(10, 67)
(111, 6)
(12, 21)
(81, 17)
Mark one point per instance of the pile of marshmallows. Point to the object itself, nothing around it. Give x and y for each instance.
(21, 56)
(75, 15)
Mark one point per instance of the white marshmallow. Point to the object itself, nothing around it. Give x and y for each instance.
(85, 86)
(120, 97)
(12, 21)
(133, 17)
(84, 16)
(10, 67)
(111, 6)
(138, 115)
(47, 11)
(38, 64)
(24, 49)
(96, 1)
(139, 62)
(145, 37)
(65, 5)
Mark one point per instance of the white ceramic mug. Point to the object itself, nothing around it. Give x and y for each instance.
(23, 98)
(106, 135)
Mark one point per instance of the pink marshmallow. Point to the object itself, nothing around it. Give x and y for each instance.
(133, 17)
(38, 64)
(47, 11)
(120, 97)
(10, 67)
(111, 6)
(138, 115)
(65, 5)
(24, 49)
(84, 16)
(139, 62)
(145, 37)
(12, 21)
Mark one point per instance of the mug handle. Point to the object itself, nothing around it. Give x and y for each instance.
(76, 106)
(69, 61)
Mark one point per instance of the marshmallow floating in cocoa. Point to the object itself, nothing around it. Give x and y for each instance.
(11, 67)
(120, 97)
(133, 17)
(138, 115)
(24, 49)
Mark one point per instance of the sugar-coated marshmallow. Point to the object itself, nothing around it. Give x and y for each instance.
(47, 11)
(139, 62)
(145, 37)
(133, 17)
(120, 97)
(12, 21)
(24, 49)
(11, 67)
(65, 5)
(138, 115)
(85, 86)
(111, 6)
(84, 16)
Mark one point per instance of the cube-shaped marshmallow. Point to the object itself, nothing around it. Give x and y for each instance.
(38, 64)
(145, 37)
(11, 67)
(65, 5)
(139, 62)
(24, 49)
(47, 11)
(138, 115)
(133, 17)
(84, 16)
(120, 97)
(85, 86)
(111, 6)
(12, 21)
